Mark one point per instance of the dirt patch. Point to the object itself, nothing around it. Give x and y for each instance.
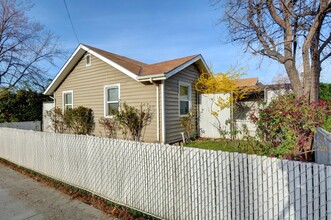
(106, 206)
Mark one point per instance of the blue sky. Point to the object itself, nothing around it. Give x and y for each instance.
(151, 31)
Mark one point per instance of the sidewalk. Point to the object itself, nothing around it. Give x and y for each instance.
(24, 198)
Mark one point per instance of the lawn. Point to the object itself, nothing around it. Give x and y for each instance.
(240, 146)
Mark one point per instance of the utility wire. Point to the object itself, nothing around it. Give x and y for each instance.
(72, 25)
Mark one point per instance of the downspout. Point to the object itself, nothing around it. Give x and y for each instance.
(197, 120)
(232, 125)
(157, 110)
(163, 112)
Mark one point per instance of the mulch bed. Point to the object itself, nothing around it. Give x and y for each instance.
(106, 206)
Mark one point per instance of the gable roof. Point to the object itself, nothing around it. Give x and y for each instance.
(135, 69)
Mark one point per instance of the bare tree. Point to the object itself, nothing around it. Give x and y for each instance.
(296, 33)
(280, 79)
(26, 48)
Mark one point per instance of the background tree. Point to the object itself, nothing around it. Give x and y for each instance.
(26, 48)
(21, 105)
(296, 33)
(325, 91)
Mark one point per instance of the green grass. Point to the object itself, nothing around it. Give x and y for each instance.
(240, 146)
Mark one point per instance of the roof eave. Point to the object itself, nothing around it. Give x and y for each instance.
(153, 76)
(58, 78)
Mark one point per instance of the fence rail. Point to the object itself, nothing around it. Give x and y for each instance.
(170, 182)
(25, 125)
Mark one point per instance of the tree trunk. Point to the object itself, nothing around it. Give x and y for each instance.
(295, 80)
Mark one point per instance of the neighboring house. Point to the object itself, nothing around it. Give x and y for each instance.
(101, 80)
(214, 126)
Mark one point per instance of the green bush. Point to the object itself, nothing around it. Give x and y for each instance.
(21, 105)
(78, 120)
(287, 125)
(325, 91)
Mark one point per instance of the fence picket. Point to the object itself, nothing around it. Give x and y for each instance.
(286, 184)
(303, 179)
(297, 191)
(309, 173)
(328, 190)
(322, 193)
(316, 192)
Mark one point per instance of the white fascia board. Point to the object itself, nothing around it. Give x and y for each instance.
(62, 73)
(184, 65)
(205, 64)
(113, 64)
(81, 49)
(152, 78)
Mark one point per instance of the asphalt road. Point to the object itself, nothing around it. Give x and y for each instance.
(24, 198)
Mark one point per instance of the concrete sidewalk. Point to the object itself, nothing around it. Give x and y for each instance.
(24, 198)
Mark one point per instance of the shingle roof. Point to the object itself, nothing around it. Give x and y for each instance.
(135, 69)
(246, 82)
(164, 67)
(133, 65)
(140, 68)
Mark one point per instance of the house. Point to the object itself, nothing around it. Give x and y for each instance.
(101, 80)
(217, 126)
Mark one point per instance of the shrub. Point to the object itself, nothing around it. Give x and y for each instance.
(287, 125)
(132, 120)
(57, 119)
(187, 123)
(109, 125)
(78, 120)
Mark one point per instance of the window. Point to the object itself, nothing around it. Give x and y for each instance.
(88, 60)
(67, 100)
(184, 98)
(112, 99)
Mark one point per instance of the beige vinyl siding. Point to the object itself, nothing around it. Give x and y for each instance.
(172, 118)
(87, 84)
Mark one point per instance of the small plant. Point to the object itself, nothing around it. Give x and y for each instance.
(133, 120)
(187, 123)
(56, 116)
(109, 125)
(79, 120)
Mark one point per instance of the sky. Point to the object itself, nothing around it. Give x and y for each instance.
(152, 31)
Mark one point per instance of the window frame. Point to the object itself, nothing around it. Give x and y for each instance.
(189, 97)
(90, 58)
(64, 105)
(106, 102)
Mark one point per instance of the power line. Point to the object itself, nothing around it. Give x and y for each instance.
(72, 25)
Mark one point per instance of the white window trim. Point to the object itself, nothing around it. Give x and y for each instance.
(105, 102)
(72, 99)
(189, 97)
(85, 57)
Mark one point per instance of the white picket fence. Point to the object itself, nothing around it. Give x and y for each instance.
(171, 182)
